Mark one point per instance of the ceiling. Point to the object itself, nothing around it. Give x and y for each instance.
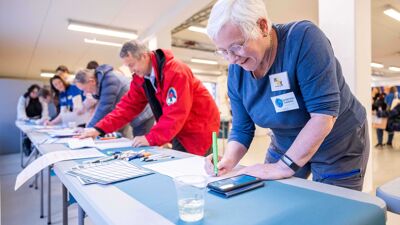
(34, 35)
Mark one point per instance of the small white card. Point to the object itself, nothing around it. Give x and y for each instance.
(76, 143)
(285, 102)
(279, 81)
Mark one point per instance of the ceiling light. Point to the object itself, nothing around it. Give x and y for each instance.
(204, 61)
(94, 41)
(209, 72)
(198, 29)
(93, 29)
(392, 13)
(376, 65)
(46, 74)
(394, 69)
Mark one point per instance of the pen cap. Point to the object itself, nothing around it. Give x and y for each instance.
(214, 136)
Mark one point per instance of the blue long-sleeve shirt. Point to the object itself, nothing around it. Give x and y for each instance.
(304, 78)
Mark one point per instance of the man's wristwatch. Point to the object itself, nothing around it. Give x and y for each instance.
(289, 162)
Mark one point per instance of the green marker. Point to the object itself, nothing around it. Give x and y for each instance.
(215, 152)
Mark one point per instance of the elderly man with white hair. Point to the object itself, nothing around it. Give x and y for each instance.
(285, 77)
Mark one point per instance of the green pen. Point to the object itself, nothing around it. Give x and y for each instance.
(215, 152)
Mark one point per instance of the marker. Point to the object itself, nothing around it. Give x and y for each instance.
(105, 159)
(215, 152)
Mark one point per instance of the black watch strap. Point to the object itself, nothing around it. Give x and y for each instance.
(290, 163)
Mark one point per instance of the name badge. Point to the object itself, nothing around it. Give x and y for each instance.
(279, 81)
(285, 102)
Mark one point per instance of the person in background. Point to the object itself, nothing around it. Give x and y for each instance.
(108, 88)
(392, 100)
(379, 108)
(92, 65)
(185, 111)
(286, 77)
(45, 96)
(70, 98)
(63, 72)
(31, 107)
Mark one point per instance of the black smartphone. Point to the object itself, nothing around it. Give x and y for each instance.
(233, 183)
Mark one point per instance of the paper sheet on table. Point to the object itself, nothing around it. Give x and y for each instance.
(62, 133)
(51, 158)
(187, 166)
(76, 143)
(115, 143)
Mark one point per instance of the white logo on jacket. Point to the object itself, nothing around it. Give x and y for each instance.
(172, 96)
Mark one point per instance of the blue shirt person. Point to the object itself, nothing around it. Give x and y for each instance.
(285, 77)
(70, 98)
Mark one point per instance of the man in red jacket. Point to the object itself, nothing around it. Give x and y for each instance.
(185, 112)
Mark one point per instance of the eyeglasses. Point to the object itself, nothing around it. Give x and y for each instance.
(233, 50)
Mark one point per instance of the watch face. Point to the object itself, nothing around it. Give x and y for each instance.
(286, 160)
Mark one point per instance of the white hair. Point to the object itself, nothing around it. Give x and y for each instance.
(244, 13)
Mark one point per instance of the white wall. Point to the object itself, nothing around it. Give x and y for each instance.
(11, 90)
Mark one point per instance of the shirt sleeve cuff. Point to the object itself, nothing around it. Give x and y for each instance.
(102, 133)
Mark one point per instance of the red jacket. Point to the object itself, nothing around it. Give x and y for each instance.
(191, 115)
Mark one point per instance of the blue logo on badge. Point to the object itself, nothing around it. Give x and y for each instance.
(279, 102)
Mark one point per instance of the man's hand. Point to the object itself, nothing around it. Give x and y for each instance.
(139, 141)
(268, 171)
(91, 132)
(224, 165)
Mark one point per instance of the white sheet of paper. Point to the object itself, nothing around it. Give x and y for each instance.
(76, 143)
(115, 143)
(62, 132)
(51, 158)
(187, 166)
(63, 140)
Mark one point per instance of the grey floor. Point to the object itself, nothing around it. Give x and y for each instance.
(22, 207)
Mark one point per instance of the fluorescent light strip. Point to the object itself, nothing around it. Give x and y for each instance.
(210, 72)
(102, 31)
(94, 41)
(204, 61)
(392, 13)
(198, 29)
(377, 65)
(46, 74)
(394, 69)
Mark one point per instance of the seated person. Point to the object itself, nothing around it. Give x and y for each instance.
(70, 101)
(45, 96)
(108, 87)
(30, 106)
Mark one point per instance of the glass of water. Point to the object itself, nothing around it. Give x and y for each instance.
(190, 191)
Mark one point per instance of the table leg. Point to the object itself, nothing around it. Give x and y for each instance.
(64, 205)
(41, 194)
(81, 216)
(49, 196)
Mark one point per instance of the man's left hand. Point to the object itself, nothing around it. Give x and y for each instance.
(140, 141)
(268, 171)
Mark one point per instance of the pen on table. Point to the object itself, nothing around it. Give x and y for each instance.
(157, 159)
(107, 138)
(105, 159)
(215, 152)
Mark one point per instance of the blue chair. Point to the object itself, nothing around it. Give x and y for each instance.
(390, 193)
